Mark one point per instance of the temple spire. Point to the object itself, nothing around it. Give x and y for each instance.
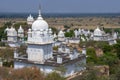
(39, 10)
(39, 16)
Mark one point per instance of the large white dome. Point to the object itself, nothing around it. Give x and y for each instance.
(39, 24)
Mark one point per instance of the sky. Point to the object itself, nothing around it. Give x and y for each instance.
(61, 6)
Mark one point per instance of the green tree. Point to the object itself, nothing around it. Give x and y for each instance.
(108, 59)
(3, 35)
(24, 25)
(117, 49)
(69, 34)
(55, 48)
(66, 26)
(6, 54)
(91, 55)
(106, 48)
(54, 76)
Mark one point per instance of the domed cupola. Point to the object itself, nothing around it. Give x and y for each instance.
(30, 19)
(61, 34)
(39, 23)
(12, 32)
(20, 30)
(97, 32)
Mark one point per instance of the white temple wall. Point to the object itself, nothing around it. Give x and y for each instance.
(39, 52)
(74, 41)
(12, 38)
(70, 69)
(45, 69)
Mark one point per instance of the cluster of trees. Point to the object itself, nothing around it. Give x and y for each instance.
(32, 73)
(110, 57)
(67, 27)
(95, 44)
(69, 34)
(109, 30)
(23, 24)
(91, 74)
(3, 35)
(6, 55)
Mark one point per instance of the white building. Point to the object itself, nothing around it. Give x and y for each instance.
(99, 35)
(21, 33)
(14, 38)
(30, 20)
(40, 52)
(39, 41)
(74, 40)
(61, 36)
(11, 36)
(115, 35)
(76, 34)
(112, 41)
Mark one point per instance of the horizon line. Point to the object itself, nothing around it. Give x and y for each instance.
(63, 12)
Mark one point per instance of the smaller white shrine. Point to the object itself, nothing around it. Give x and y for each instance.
(21, 33)
(115, 35)
(11, 36)
(61, 36)
(14, 38)
(99, 35)
(30, 20)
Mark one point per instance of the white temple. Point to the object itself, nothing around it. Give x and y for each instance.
(75, 39)
(115, 35)
(14, 38)
(11, 36)
(39, 41)
(99, 35)
(40, 52)
(30, 20)
(86, 35)
(61, 36)
(21, 33)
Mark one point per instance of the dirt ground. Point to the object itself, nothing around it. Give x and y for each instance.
(85, 22)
